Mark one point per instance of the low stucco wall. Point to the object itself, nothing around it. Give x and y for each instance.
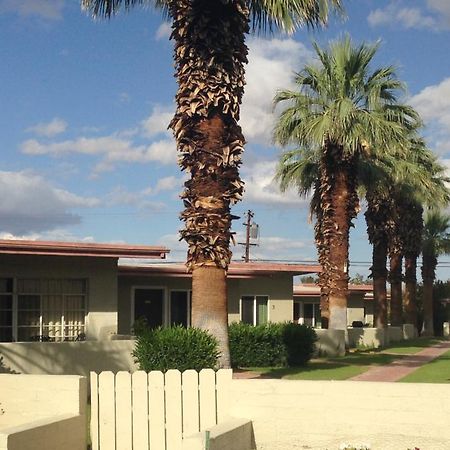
(409, 331)
(366, 337)
(322, 414)
(67, 358)
(330, 342)
(236, 434)
(42, 412)
(446, 329)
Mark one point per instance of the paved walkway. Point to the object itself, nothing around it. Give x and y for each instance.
(404, 366)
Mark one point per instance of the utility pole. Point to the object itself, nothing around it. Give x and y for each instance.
(250, 232)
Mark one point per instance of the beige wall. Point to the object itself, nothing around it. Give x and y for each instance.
(68, 358)
(278, 288)
(101, 273)
(43, 412)
(323, 414)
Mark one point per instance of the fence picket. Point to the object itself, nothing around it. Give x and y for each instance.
(223, 381)
(156, 410)
(173, 409)
(191, 419)
(207, 381)
(94, 411)
(124, 438)
(140, 410)
(107, 416)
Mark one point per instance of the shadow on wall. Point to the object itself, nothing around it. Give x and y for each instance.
(68, 358)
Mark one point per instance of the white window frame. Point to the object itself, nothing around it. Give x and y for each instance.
(302, 312)
(254, 306)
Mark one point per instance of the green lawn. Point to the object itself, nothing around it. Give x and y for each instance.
(436, 371)
(412, 346)
(340, 368)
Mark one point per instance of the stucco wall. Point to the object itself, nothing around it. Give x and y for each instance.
(68, 358)
(101, 274)
(323, 414)
(278, 288)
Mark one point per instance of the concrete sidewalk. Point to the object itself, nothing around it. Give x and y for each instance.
(404, 366)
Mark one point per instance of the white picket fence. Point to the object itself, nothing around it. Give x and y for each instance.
(153, 411)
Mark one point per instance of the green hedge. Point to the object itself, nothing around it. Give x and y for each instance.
(175, 348)
(271, 345)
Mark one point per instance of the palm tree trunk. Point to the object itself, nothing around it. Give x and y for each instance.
(209, 306)
(429, 263)
(339, 205)
(395, 279)
(210, 55)
(379, 274)
(410, 297)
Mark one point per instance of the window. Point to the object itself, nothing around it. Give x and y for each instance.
(254, 310)
(180, 308)
(43, 310)
(307, 314)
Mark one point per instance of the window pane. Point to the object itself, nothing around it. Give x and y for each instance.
(308, 312)
(318, 320)
(74, 286)
(5, 318)
(179, 308)
(29, 302)
(5, 334)
(73, 302)
(28, 318)
(261, 310)
(28, 286)
(247, 310)
(53, 303)
(28, 334)
(6, 285)
(5, 301)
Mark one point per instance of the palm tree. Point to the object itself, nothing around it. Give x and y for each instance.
(210, 55)
(340, 114)
(435, 242)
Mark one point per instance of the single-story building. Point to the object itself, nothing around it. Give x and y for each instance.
(59, 291)
(307, 304)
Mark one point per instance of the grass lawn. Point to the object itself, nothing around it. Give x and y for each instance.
(436, 371)
(340, 368)
(412, 346)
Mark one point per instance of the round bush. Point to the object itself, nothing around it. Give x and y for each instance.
(175, 348)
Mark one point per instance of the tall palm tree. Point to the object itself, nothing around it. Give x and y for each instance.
(210, 55)
(342, 112)
(435, 242)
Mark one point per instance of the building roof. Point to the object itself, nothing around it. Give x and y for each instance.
(51, 248)
(236, 269)
(309, 289)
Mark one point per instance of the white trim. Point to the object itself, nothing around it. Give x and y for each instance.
(164, 320)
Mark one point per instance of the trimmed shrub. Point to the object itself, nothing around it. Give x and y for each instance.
(175, 348)
(271, 345)
(299, 341)
(256, 346)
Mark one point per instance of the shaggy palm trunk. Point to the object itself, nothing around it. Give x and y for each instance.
(338, 206)
(410, 297)
(429, 263)
(210, 55)
(395, 279)
(379, 274)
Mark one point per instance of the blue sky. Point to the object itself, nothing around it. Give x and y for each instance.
(85, 105)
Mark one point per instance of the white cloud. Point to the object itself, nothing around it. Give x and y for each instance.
(61, 235)
(163, 31)
(434, 16)
(32, 205)
(44, 9)
(433, 103)
(158, 121)
(260, 185)
(49, 129)
(111, 149)
(270, 68)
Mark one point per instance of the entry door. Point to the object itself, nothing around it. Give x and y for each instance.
(149, 304)
(308, 311)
